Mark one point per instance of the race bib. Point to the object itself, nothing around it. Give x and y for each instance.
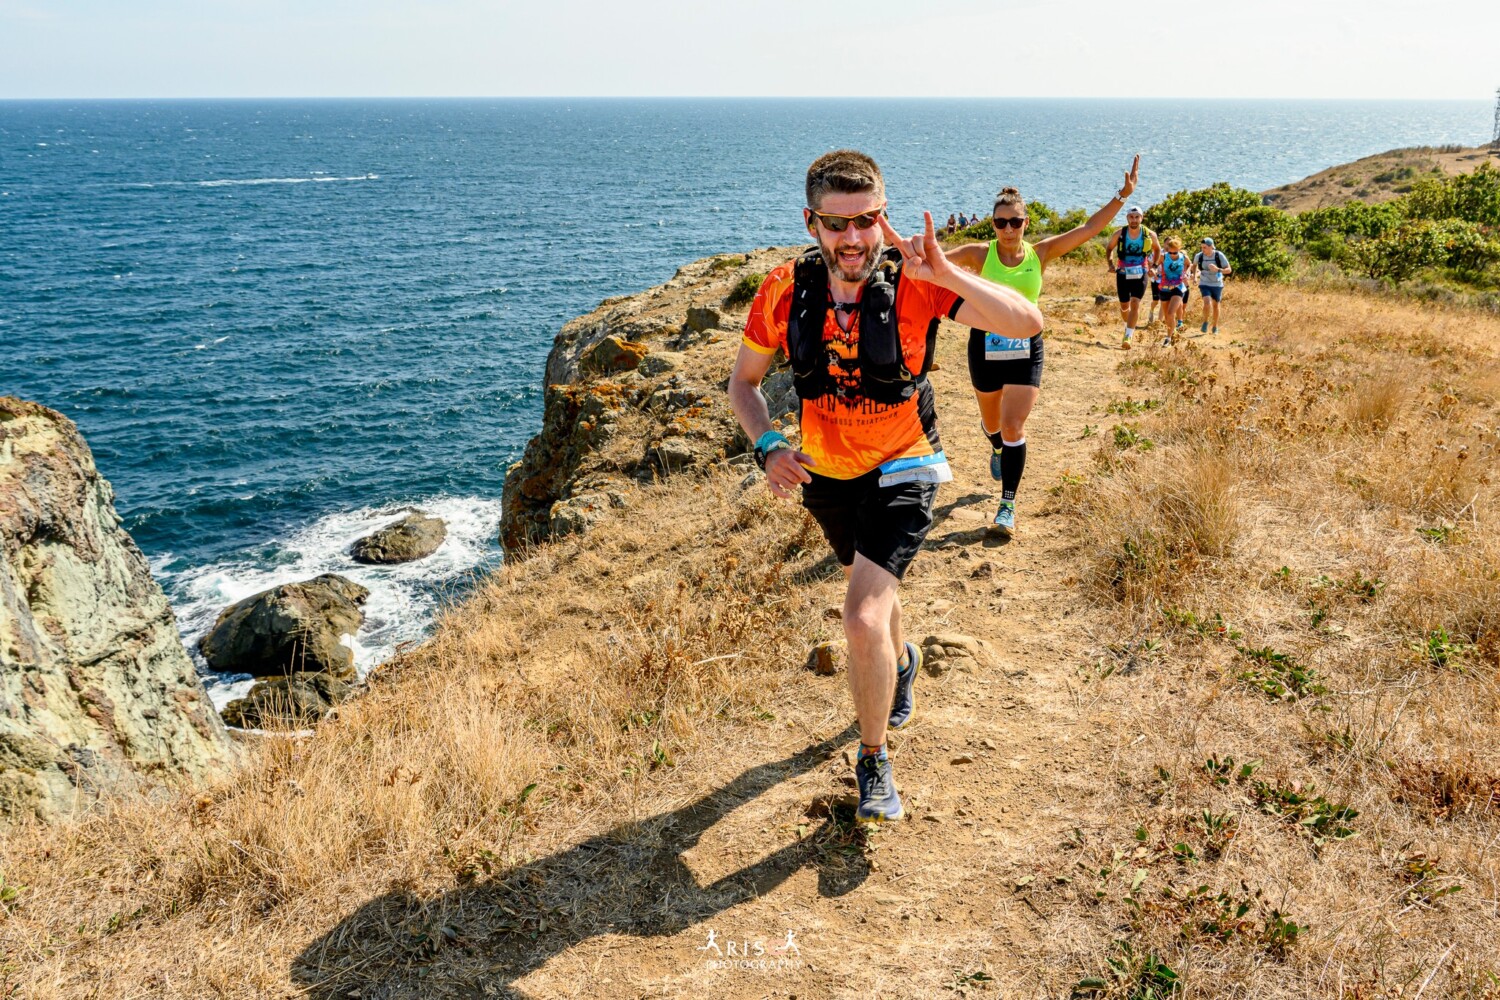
(926, 469)
(1134, 272)
(998, 348)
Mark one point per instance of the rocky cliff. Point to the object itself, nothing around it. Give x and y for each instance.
(635, 389)
(95, 686)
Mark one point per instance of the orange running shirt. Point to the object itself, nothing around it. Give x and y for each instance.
(850, 437)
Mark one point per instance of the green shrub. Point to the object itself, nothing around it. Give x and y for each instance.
(1206, 208)
(1399, 255)
(1472, 197)
(743, 292)
(1256, 241)
(1354, 220)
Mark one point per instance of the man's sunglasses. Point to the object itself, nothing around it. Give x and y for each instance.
(1015, 223)
(839, 223)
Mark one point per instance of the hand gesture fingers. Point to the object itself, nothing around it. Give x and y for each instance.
(1131, 176)
(785, 474)
(894, 238)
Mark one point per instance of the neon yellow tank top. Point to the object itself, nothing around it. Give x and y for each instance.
(1025, 277)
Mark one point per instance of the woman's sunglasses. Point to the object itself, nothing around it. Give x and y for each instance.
(839, 223)
(1015, 223)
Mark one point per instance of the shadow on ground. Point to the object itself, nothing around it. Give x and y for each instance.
(478, 939)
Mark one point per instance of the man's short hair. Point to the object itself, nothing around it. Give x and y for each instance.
(843, 171)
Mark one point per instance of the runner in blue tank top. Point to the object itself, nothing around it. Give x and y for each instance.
(1138, 250)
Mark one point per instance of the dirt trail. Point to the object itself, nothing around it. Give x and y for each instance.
(937, 897)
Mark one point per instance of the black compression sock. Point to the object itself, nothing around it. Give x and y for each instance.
(997, 439)
(1012, 464)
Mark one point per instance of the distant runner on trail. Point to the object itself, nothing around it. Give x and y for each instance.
(1137, 249)
(1211, 266)
(858, 320)
(1172, 276)
(1007, 374)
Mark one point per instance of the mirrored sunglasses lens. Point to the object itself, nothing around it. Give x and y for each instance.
(865, 221)
(834, 223)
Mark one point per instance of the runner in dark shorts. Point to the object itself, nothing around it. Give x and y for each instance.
(1138, 250)
(857, 317)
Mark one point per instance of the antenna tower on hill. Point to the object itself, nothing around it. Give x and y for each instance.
(1495, 138)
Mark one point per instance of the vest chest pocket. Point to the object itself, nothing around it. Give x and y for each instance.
(999, 348)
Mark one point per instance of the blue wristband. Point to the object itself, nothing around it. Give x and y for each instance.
(765, 440)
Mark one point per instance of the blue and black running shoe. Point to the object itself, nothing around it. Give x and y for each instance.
(879, 802)
(906, 695)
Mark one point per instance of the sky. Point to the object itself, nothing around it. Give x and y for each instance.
(941, 48)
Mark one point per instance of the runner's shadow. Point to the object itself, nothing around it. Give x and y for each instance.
(478, 939)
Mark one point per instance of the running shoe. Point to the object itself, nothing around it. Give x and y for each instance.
(1005, 518)
(1204, 328)
(906, 696)
(1166, 341)
(1125, 344)
(879, 802)
(995, 469)
(1216, 329)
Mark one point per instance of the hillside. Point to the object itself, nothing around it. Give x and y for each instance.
(1231, 721)
(1377, 178)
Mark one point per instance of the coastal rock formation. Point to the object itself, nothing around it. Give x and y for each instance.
(415, 536)
(299, 699)
(95, 686)
(615, 380)
(296, 627)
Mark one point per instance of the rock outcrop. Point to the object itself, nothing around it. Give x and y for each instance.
(648, 368)
(296, 627)
(296, 700)
(415, 536)
(95, 686)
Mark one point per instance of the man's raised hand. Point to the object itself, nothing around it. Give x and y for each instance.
(922, 256)
(1131, 177)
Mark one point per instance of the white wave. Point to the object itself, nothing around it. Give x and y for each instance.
(252, 181)
(403, 598)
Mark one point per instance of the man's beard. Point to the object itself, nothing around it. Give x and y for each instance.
(837, 270)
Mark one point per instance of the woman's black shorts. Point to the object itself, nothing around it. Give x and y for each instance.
(992, 376)
(885, 524)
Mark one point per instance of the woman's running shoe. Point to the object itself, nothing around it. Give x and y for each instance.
(1005, 518)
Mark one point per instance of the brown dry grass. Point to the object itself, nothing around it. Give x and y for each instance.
(551, 756)
(1321, 490)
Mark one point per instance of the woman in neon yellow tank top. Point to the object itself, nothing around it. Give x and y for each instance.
(1007, 374)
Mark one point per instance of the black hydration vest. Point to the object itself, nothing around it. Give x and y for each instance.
(883, 375)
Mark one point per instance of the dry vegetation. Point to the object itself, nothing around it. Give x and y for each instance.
(1376, 178)
(1299, 535)
(1285, 783)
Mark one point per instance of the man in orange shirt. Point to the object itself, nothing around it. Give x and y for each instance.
(858, 319)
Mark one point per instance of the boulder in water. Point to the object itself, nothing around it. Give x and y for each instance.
(415, 536)
(299, 699)
(296, 627)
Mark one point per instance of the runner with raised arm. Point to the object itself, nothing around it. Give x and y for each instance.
(1138, 249)
(857, 317)
(1007, 376)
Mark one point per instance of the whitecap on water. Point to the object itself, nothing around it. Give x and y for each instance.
(403, 598)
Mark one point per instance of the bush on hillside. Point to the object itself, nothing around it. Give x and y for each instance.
(1472, 197)
(1256, 241)
(743, 292)
(1206, 208)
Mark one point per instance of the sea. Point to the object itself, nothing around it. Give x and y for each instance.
(280, 322)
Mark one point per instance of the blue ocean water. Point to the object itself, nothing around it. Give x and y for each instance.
(276, 321)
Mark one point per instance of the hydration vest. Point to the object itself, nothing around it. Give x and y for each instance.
(1172, 273)
(883, 374)
(1132, 254)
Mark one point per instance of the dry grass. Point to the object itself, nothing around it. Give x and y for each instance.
(468, 757)
(1305, 554)
(1283, 778)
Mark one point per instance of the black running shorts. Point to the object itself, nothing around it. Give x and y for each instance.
(992, 376)
(1129, 288)
(886, 524)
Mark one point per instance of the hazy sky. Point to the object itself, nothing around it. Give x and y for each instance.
(978, 48)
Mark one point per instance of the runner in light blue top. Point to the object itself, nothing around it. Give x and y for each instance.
(1211, 267)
